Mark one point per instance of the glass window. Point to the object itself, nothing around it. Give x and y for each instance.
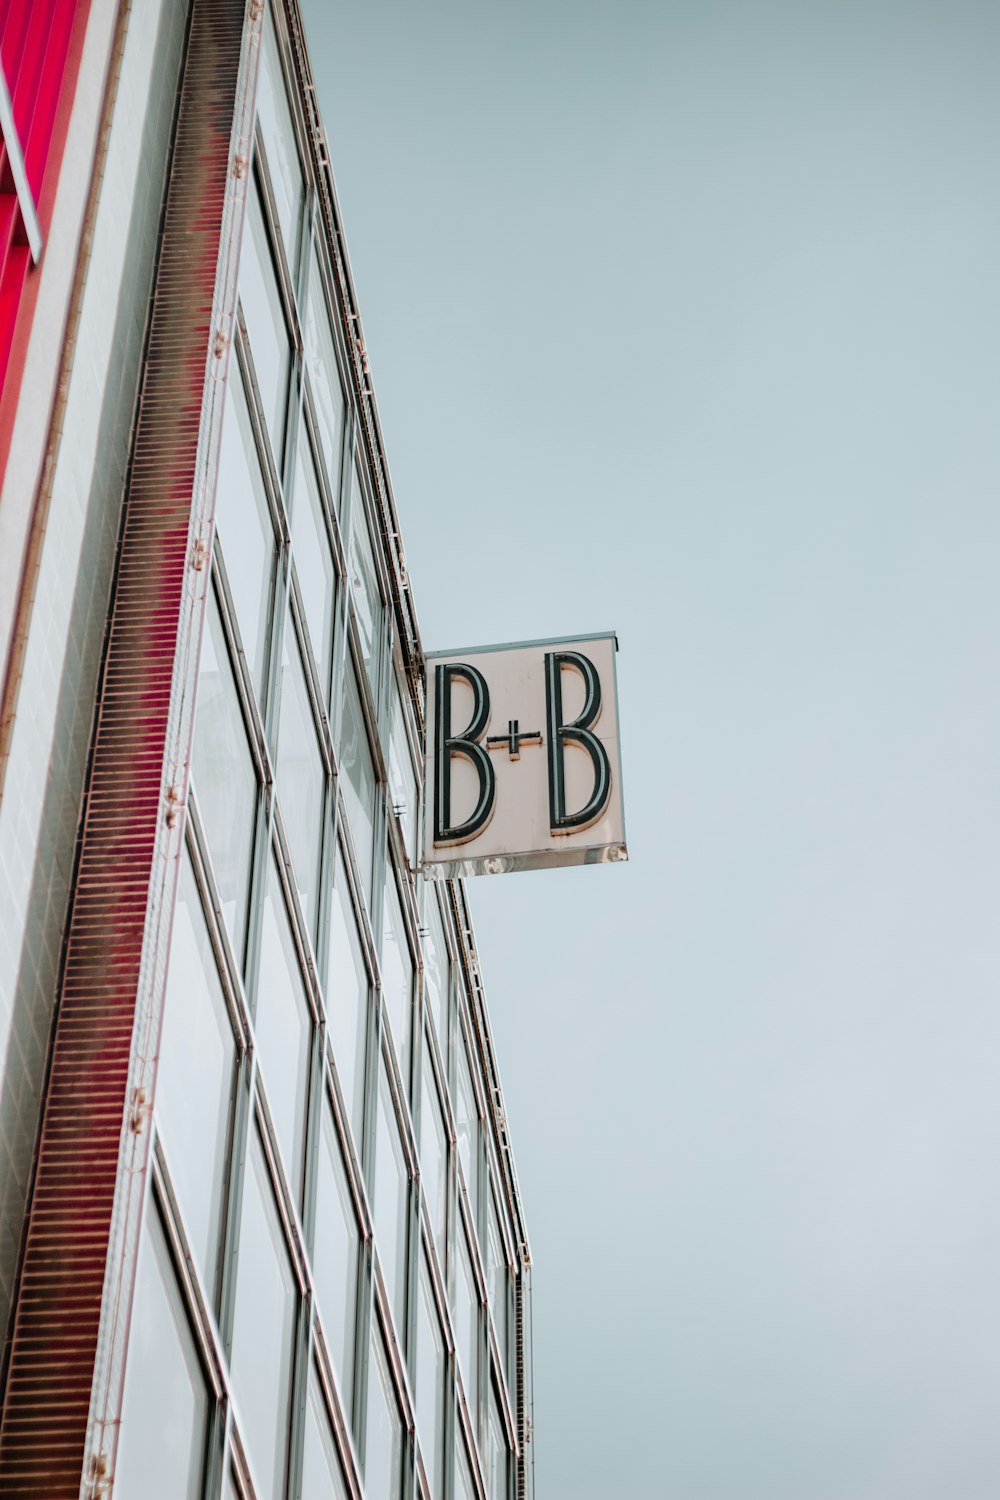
(335, 1258)
(497, 1452)
(324, 378)
(224, 777)
(322, 1474)
(465, 1488)
(434, 1158)
(365, 591)
(279, 139)
(283, 1027)
(403, 782)
(161, 1444)
(397, 975)
(391, 1181)
(467, 1129)
(245, 528)
(437, 970)
(496, 1275)
(384, 1438)
(467, 1321)
(265, 320)
(263, 1329)
(301, 778)
(358, 779)
(313, 559)
(430, 1382)
(194, 1083)
(347, 990)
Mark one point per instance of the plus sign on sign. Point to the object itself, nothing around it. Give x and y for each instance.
(523, 757)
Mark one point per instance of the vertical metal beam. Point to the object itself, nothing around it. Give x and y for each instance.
(63, 1394)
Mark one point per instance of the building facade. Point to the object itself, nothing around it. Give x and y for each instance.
(260, 1231)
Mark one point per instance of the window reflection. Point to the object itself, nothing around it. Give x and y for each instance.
(313, 559)
(391, 1182)
(397, 974)
(224, 777)
(283, 1028)
(403, 781)
(496, 1275)
(194, 1082)
(358, 778)
(279, 139)
(466, 1309)
(322, 1475)
(434, 1158)
(301, 778)
(324, 378)
(497, 1452)
(437, 970)
(161, 1445)
(465, 1488)
(263, 1329)
(365, 591)
(347, 990)
(245, 529)
(265, 320)
(430, 1382)
(335, 1258)
(384, 1436)
(467, 1128)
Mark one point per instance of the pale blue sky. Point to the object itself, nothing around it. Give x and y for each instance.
(683, 320)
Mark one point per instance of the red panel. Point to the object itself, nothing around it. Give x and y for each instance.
(40, 46)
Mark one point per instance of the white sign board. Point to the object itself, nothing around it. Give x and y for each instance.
(523, 758)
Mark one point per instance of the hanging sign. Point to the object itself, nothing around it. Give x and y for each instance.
(523, 759)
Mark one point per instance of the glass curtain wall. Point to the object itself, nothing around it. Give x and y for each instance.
(327, 1262)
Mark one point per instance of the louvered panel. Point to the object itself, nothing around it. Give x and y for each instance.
(86, 1122)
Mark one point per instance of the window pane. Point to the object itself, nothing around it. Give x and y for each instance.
(397, 974)
(403, 782)
(283, 1027)
(301, 777)
(467, 1128)
(225, 781)
(358, 779)
(467, 1321)
(263, 1329)
(465, 1488)
(391, 1180)
(265, 320)
(365, 590)
(161, 1445)
(430, 1382)
(245, 530)
(194, 1081)
(384, 1438)
(313, 559)
(347, 991)
(437, 971)
(434, 1158)
(322, 1475)
(279, 140)
(335, 1260)
(497, 1452)
(496, 1275)
(324, 378)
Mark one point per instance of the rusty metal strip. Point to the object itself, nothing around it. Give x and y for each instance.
(63, 1393)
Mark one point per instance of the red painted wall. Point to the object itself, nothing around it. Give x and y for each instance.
(40, 46)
